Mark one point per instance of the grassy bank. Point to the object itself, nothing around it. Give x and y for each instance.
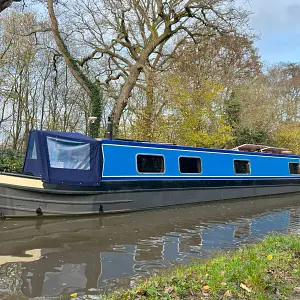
(267, 270)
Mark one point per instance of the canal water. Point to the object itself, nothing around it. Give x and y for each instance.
(53, 257)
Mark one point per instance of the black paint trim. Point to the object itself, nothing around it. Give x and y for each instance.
(119, 186)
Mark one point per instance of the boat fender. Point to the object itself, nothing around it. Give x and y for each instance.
(39, 211)
(101, 209)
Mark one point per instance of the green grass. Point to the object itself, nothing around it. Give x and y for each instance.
(267, 270)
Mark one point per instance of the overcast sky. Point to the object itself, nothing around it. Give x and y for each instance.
(277, 22)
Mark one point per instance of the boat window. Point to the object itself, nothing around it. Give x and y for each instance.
(189, 164)
(294, 168)
(242, 166)
(150, 163)
(32, 149)
(68, 154)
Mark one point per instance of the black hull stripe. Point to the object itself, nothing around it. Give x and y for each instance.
(119, 186)
(197, 178)
(180, 184)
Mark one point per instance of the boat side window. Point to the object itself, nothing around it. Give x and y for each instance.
(294, 168)
(241, 166)
(150, 163)
(32, 149)
(68, 154)
(189, 164)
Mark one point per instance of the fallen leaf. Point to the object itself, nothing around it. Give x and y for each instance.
(297, 289)
(244, 287)
(269, 257)
(227, 293)
(206, 287)
(247, 282)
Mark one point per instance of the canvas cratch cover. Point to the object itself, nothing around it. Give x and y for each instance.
(63, 158)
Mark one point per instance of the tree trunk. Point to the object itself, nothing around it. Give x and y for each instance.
(92, 89)
(126, 89)
(96, 111)
(134, 73)
(149, 113)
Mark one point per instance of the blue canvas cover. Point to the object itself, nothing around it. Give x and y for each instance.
(63, 158)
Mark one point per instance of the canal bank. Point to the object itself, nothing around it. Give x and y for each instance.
(265, 270)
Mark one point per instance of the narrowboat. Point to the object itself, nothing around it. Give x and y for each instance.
(72, 174)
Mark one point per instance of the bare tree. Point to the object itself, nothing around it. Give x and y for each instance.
(285, 77)
(131, 35)
(37, 89)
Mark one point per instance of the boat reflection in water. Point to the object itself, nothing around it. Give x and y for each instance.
(50, 257)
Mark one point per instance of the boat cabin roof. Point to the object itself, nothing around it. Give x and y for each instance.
(72, 158)
(246, 148)
(262, 148)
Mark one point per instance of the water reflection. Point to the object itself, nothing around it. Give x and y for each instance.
(53, 257)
